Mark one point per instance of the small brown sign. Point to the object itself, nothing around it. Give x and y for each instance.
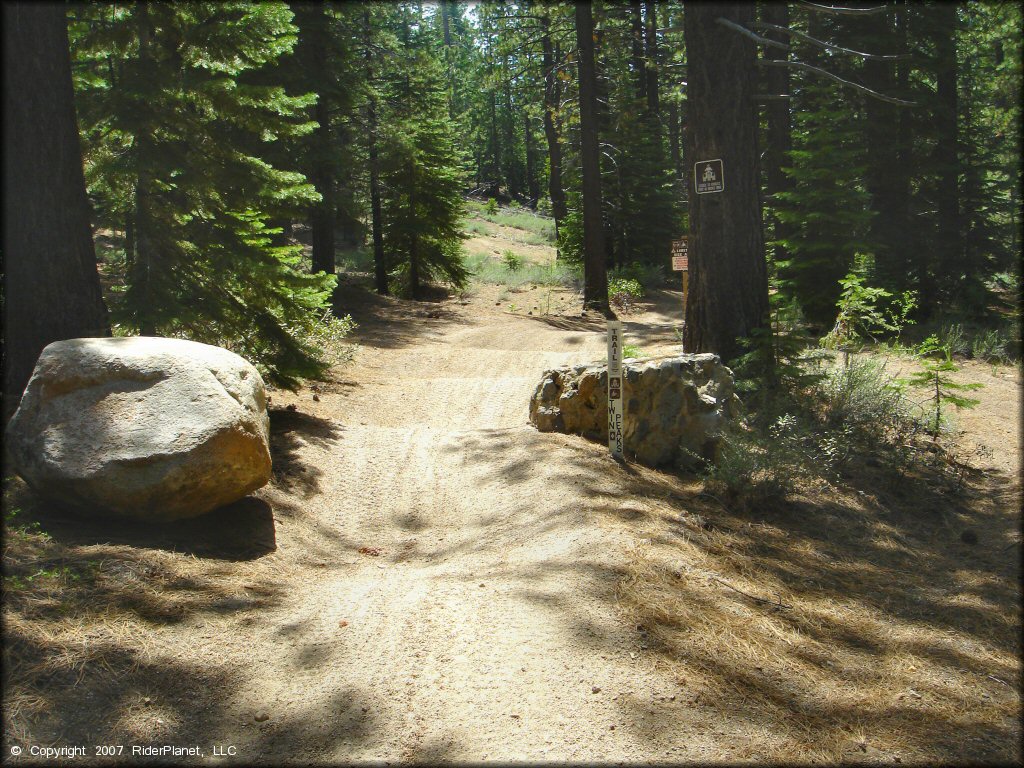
(681, 255)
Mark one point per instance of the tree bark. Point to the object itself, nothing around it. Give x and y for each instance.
(376, 219)
(595, 278)
(653, 105)
(882, 174)
(950, 245)
(515, 183)
(446, 23)
(780, 125)
(728, 295)
(637, 48)
(312, 22)
(51, 285)
(552, 96)
(532, 184)
(145, 254)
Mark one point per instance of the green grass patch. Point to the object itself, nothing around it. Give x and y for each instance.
(538, 230)
(516, 273)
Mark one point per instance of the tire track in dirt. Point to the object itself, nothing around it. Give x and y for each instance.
(479, 623)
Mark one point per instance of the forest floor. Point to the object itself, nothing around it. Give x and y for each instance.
(427, 578)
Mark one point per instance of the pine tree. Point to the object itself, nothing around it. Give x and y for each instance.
(826, 212)
(178, 123)
(422, 171)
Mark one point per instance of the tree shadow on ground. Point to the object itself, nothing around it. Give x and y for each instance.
(242, 530)
(290, 429)
(849, 612)
(387, 322)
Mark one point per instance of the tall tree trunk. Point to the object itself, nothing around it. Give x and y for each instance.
(145, 255)
(414, 242)
(950, 245)
(728, 295)
(883, 163)
(515, 184)
(51, 286)
(532, 183)
(446, 23)
(595, 278)
(495, 180)
(673, 140)
(653, 105)
(637, 47)
(899, 259)
(376, 220)
(602, 105)
(552, 96)
(312, 23)
(780, 125)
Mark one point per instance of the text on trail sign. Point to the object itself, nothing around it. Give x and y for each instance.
(681, 255)
(708, 176)
(615, 388)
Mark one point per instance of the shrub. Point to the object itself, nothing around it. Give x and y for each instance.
(512, 261)
(492, 206)
(954, 338)
(991, 346)
(622, 293)
(648, 275)
(755, 470)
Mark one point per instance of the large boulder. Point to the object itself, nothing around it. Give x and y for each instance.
(151, 428)
(675, 408)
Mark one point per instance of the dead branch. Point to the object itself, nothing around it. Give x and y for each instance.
(828, 46)
(777, 604)
(840, 11)
(752, 35)
(836, 78)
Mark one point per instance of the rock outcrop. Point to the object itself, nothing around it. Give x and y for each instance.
(151, 428)
(675, 408)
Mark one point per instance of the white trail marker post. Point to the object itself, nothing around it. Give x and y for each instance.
(615, 414)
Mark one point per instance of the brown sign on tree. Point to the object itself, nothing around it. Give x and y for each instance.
(680, 255)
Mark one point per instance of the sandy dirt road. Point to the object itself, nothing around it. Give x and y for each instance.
(429, 579)
(479, 620)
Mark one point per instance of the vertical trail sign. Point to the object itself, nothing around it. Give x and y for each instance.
(615, 388)
(681, 263)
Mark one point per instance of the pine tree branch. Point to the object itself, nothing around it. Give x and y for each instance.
(752, 35)
(828, 46)
(836, 78)
(840, 11)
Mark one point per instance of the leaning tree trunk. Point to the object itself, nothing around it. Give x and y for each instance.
(595, 278)
(51, 286)
(728, 276)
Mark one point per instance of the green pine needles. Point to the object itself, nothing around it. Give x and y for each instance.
(422, 171)
(827, 210)
(178, 129)
(937, 363)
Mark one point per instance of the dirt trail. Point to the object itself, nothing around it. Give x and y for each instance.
(485, 627)
(428, 578)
